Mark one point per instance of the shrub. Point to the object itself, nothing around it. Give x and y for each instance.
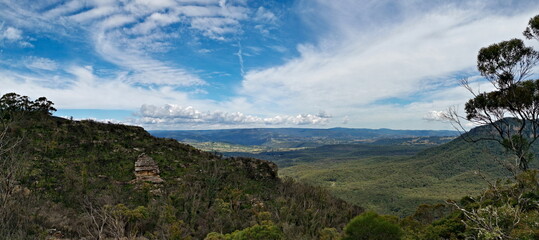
(266, 231)
(329, 234)
(371, 226)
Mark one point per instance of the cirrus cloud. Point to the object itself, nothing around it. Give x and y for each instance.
(40, 63)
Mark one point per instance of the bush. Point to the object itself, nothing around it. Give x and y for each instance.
(371, 226)
(329, 234)
(215, 236)
(266, 231)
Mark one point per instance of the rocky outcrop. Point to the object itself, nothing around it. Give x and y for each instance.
(257, 169)
(146, 170)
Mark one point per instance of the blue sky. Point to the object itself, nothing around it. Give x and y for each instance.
(206, 64)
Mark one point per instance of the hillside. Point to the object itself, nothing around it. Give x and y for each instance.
(77, 179)
(396, 182)
(389, 175)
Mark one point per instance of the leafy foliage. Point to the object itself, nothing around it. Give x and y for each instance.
(506, 63)
(264, 231)
(371, 226)
(12, 104)
(506, 210)
(532, 31)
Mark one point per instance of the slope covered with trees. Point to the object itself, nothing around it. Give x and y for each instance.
(77, 179)
(396, 182)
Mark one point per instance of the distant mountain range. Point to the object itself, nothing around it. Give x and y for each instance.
(271, 136)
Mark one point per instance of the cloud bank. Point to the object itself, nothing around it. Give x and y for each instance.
(174, 115)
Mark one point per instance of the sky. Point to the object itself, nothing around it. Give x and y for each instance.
(213, 64)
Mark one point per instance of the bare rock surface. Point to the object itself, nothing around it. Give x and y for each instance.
(146, 170)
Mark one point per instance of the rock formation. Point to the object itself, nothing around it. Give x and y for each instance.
(146, 170)
(257, 169)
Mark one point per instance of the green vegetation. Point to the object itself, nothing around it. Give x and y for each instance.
(392, 176)
(77, 177)
(339, 153)
(264, 231)
(365, 173)
(397, 184)
(371, 226)
(506, 210)
(509, 208)
(12, 105)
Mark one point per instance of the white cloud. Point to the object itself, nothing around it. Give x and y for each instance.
(266, 21)
(63, 9)
(199, 11)
(253, 51)
(352, 68)
(82, 89)
(40, 63)
(240, 58)
(264, 15)
(13, 36)
(435, 116)
(116, 21)
(204, 51)
(277, 48)
(215, 27)
(174, 115)
(155, 20)
(409, 115)
(95, 13)
(142, 69)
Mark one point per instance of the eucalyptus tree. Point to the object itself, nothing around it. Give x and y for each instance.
(512, 108)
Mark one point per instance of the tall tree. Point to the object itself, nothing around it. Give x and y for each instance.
(12, 104)
(512, 109)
